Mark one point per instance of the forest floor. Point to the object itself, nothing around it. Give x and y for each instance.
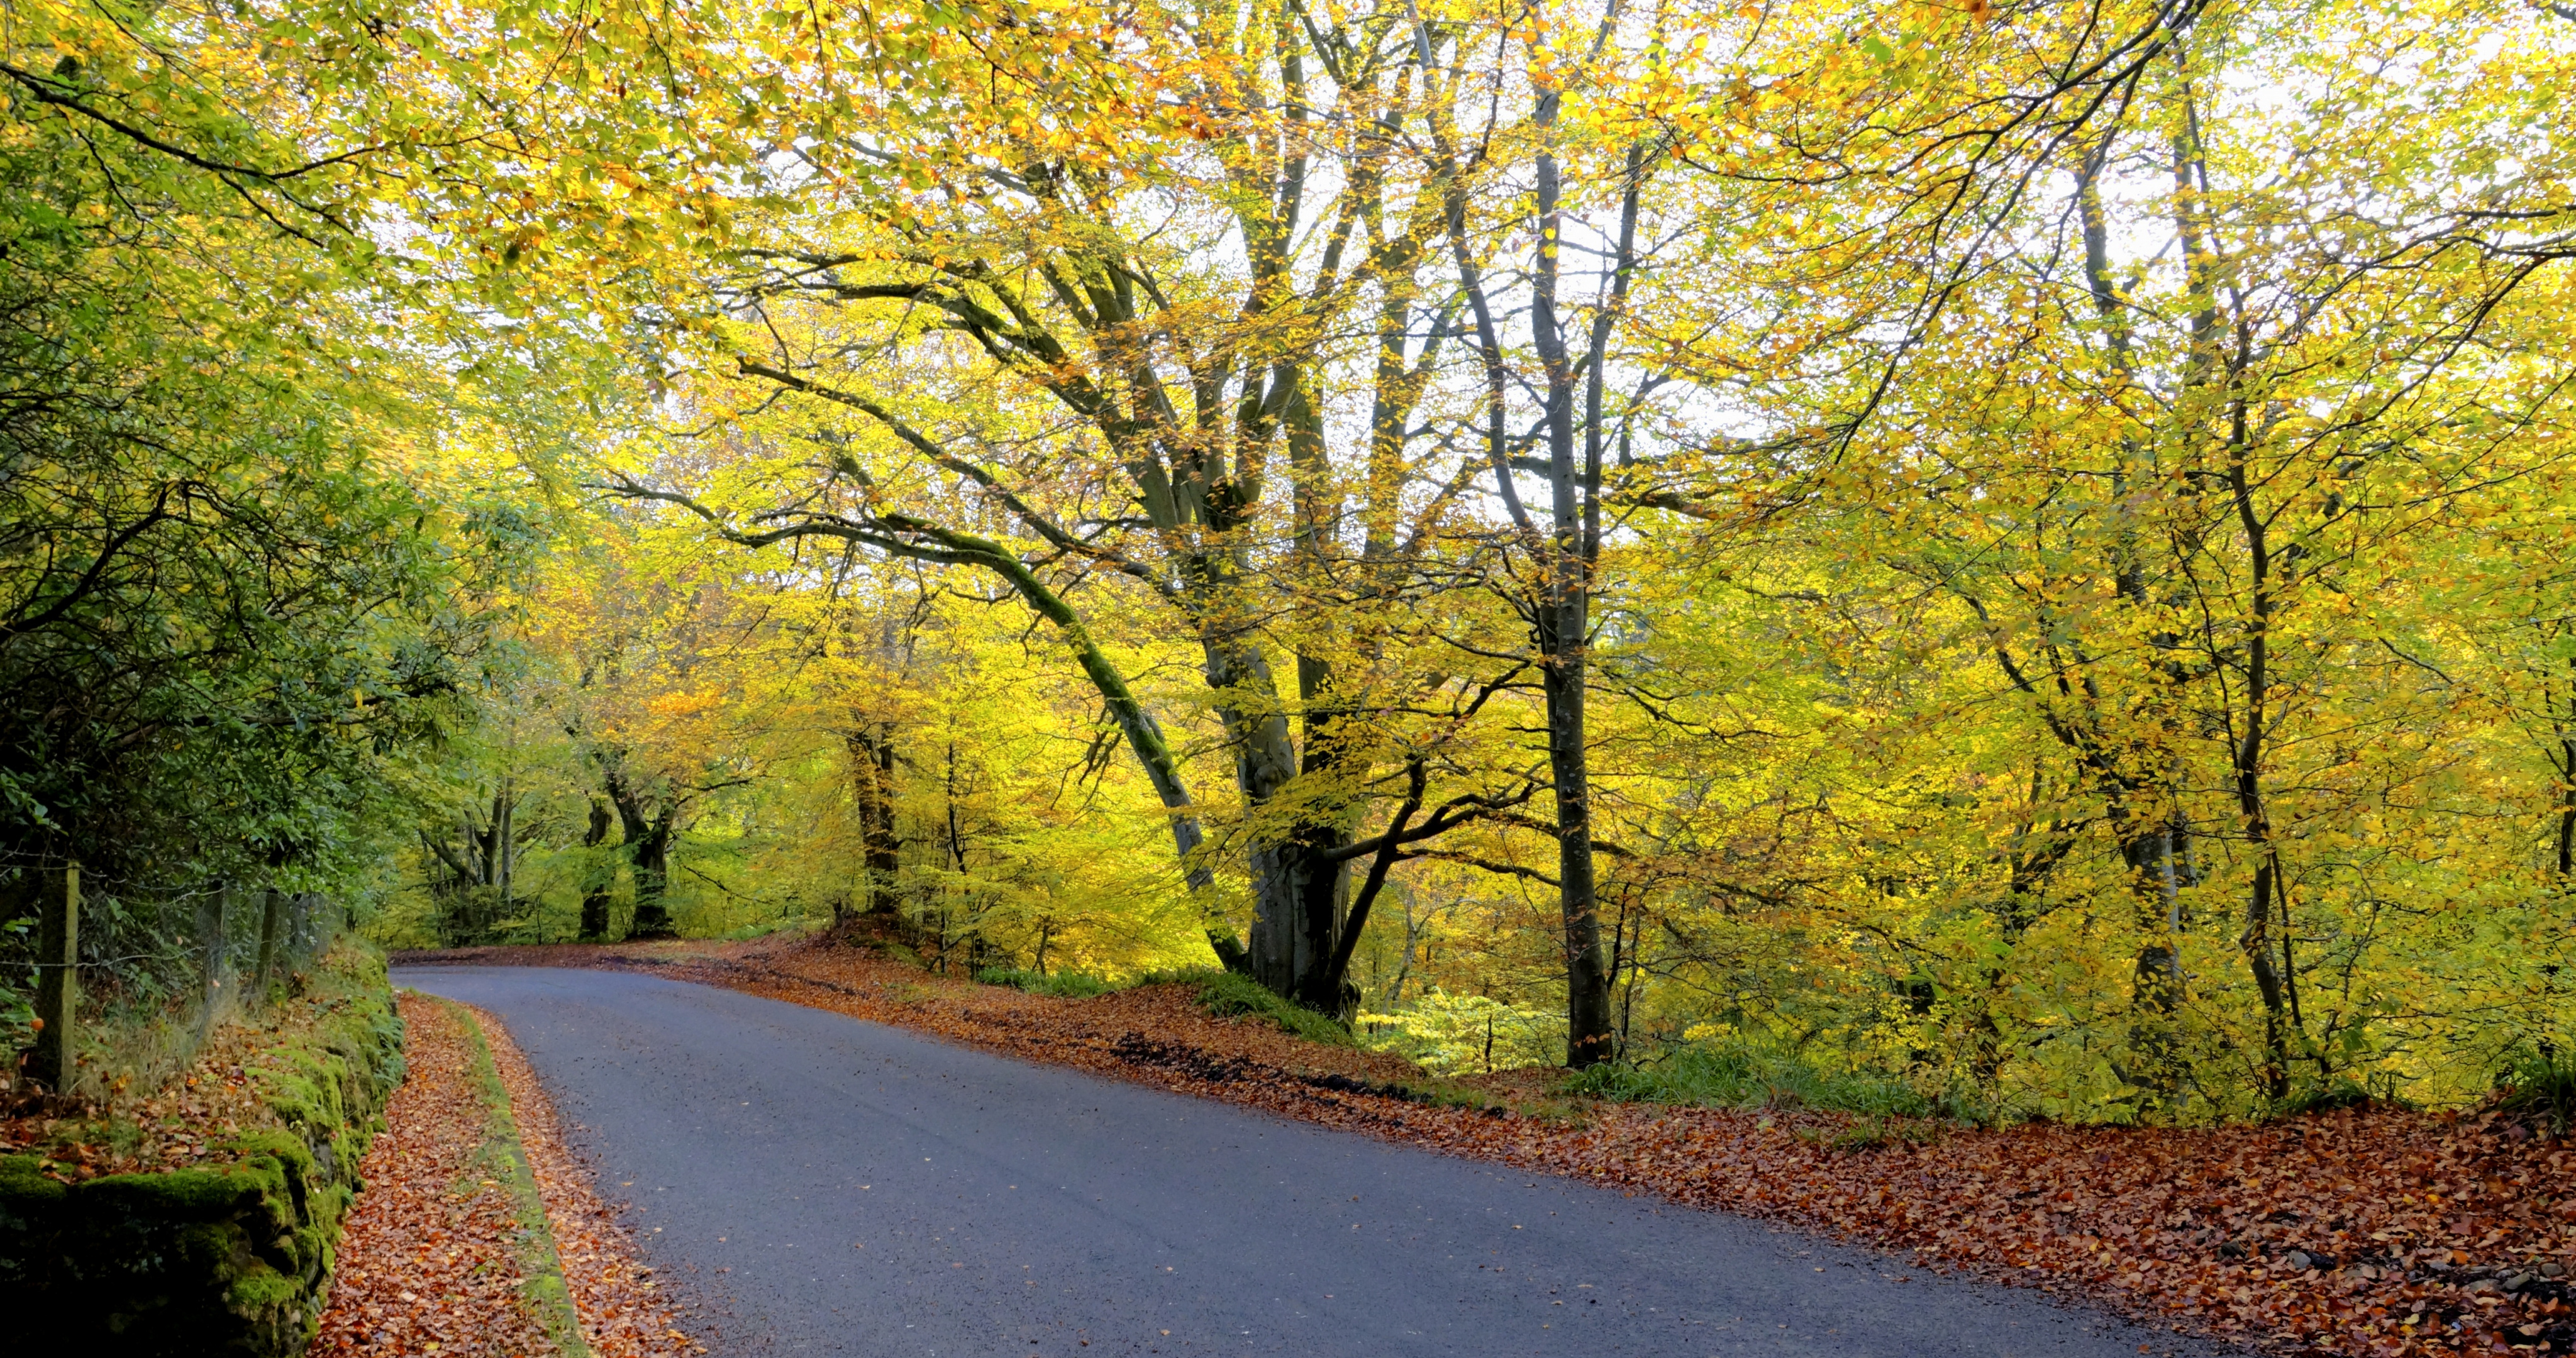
(441, 1254)
(2358, 1232)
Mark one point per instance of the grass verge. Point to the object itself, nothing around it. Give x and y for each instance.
(1068, 985)
(1222, 993)
(1746, 1076)
(1227, 994)
(549, 1297)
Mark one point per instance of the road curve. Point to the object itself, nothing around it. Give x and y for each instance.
(824, 1185)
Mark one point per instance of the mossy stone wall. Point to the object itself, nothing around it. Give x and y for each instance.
(233, 1259)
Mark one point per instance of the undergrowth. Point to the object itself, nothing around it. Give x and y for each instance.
(2339, 1093)
(1071, 985)
(1744, 1076)
(764, 928)
(2540, 1087)
(1225, 993)
(1220, 992)
(1869, 1132)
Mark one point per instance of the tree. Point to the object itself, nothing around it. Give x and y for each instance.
(1093, 350)
(1572, 364)
(2184, 492)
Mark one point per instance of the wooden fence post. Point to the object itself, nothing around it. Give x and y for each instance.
(211, 923)
(271, 922)
(58, 977)
(299, 947)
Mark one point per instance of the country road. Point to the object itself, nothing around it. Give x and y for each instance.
(822, 1185)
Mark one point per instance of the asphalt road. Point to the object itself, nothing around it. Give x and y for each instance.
(823, 1185)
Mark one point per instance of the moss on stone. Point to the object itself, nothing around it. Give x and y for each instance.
(225, 1259)
(20, 1179)
(181, 1193)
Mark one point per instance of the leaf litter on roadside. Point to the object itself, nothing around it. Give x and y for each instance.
(431, 1261)
(428, 1258)
(623, 1313)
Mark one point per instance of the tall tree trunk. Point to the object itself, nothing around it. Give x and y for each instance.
(2211, 383)
(1293, 879)
(1587, 971)
(2145, 815)
(2147, 847)
(872, 759)
(596, 875)
(1328, 755)
(2246, 754)
(1560, 604)
(1564, 607)
(652, 859)
(653, 882)
(956, 843)
(649, 822)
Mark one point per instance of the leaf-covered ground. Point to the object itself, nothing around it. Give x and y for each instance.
(2353, 1232)
(623, 1314)
(430, 1259)
(436, 1259)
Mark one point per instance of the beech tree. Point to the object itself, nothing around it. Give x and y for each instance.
(1107, 401)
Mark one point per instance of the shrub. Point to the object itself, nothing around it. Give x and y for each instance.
(1739, 1074)
(1226, 993)
(1469, 1034)
(2341, 1092)
(1070, 985)
(2540, 1086)
(1869, 1133)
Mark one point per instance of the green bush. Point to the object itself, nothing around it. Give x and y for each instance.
(1468, 1034)
(2541, 1086)
(1617, 1082)
(2342, 1092)
(1227, 993)
(1870, 1132)
(1070, 985)
(1743, 1075)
